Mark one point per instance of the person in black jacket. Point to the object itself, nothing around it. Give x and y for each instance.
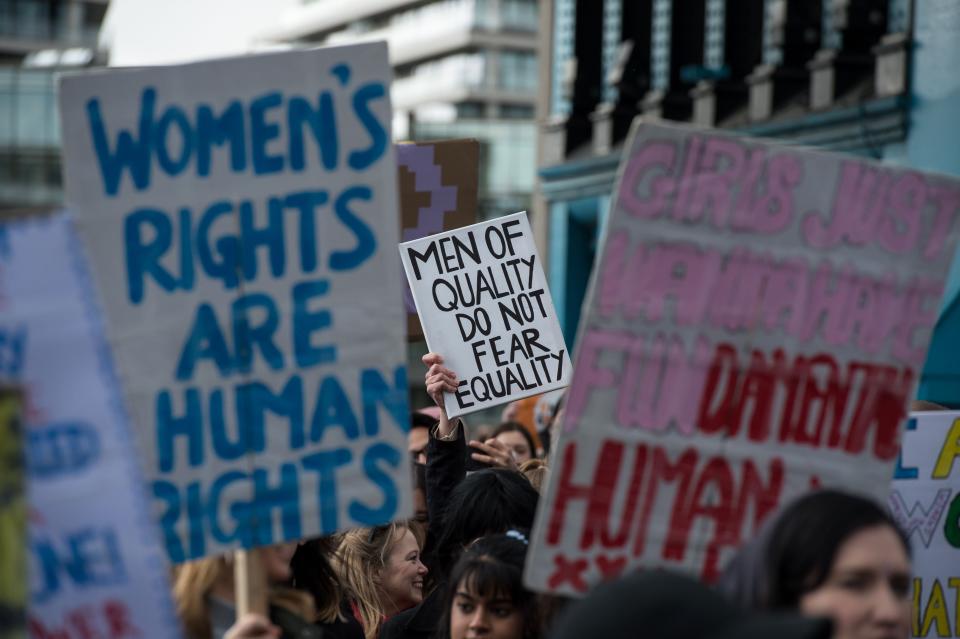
(461, 508)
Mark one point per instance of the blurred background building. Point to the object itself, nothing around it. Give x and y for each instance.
(550, 87)
(875, 78)
(462, 69)
(37, 39)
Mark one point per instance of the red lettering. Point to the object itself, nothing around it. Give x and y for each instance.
(715, 484)
(109, 621)
(568, 572)
(599, 495)
(667, 472)
(118, 620)
(816, 410)
(610, 568)
(39, 631)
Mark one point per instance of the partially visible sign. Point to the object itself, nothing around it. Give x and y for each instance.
(755, 325)
(240, 216)
(925, 501)
(96, 564)
(438, 192)
(485, 307)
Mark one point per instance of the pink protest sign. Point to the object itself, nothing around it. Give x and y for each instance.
(755, 326)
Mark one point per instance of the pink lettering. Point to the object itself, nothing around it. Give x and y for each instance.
(654, 158)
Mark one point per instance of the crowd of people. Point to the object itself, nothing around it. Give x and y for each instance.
(831, 564)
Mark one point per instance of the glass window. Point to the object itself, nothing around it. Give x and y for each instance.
(516, 111)
(519, 15)
(660, 44)
(612, 19)
(713, 38)
(564, 25)
(518, 71)
(28, 114)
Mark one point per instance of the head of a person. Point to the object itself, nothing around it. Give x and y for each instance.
(842, 556)
(381, 571)
(419, 436)
(487, 502)
(485, 596)
(417, 440)
(518, 439)
(662, 605)
(314, 574)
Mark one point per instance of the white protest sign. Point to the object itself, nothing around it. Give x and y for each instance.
(96, 564)
(925, 501)
(755, 326)
(240, 216)
(485, 307)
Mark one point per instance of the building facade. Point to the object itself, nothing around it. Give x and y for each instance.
(38, 38)
(462, 68)
(866, 77)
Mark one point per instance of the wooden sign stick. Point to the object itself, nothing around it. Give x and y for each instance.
(249, 583)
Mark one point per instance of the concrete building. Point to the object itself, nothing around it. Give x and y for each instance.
(463, 68)
(38, 38)
(875, 78)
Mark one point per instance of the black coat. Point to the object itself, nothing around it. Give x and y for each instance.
(446, 467)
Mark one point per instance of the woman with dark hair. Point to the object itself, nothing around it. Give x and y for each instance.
(462, 507)
(486, 502)
(518, 441)
(830, 554)
(486, 597)
(313, 573)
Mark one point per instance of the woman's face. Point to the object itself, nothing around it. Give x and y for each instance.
(476, 617)
(517, 443)
(402, 575)
(276, 561)
(867, 593)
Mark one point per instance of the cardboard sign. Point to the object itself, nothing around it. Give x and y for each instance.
(485, 307)
(755, 326)
(13, 515)
(240, 215)
(96, 566)
(438, 192)
(925, 501)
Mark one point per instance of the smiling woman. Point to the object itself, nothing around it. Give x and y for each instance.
(381, 571)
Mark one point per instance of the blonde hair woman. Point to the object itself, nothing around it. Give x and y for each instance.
(204, 596)
(381, 571)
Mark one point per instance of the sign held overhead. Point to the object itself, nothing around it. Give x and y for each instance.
(484, 305)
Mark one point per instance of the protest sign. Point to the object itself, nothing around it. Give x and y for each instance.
(438, 192)
(755, 325)
(484, 305)
(96, 566)
(925, 501)
(240, 216)
(13, 515)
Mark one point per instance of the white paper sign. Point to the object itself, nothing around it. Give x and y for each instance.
(485, 307)
(757, 320)
(241, 215)
(96, 564)
(925, 501)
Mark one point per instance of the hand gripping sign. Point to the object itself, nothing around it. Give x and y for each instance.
(240, 216)
(755, 325)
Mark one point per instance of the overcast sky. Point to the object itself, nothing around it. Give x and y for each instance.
(147, 32)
